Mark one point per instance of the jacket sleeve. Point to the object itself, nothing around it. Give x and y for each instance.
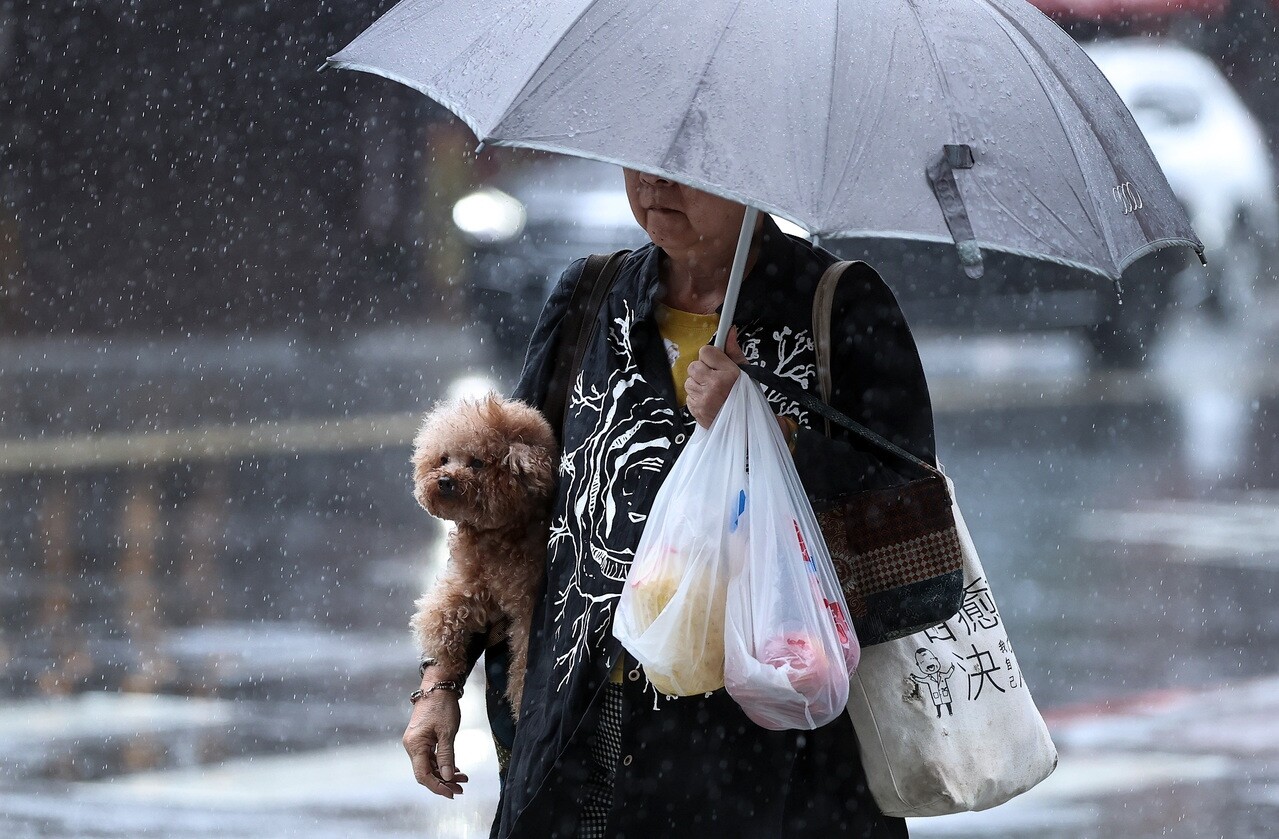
(878, 380)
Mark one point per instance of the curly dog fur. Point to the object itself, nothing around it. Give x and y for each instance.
(489, 466)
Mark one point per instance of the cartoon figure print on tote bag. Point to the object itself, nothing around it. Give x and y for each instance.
(944, 720)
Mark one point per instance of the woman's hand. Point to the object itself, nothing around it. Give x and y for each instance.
(437, 716)
(711, 378)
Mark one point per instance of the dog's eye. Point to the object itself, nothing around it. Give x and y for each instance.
(444, 460)
(476, 463)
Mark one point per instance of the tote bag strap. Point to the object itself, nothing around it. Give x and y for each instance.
(823, 305)
(807, 400)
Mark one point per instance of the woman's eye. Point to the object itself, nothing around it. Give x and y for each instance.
(476, 463)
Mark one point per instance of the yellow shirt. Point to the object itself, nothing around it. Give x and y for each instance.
(683, 334)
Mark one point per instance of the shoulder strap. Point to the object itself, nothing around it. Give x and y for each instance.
(588, 295)
(785, 386)
(823, 305)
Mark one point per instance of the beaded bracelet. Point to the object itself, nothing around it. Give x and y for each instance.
(454, 687)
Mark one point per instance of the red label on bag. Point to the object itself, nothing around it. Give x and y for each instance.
(803, 547)
(841, 622)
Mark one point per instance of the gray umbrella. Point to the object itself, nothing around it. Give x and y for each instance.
(977, 122)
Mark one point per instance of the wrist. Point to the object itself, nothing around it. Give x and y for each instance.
(435, 675)
(431, 671)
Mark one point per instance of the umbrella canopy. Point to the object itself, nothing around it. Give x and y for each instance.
(1099, 9)
(973, 121)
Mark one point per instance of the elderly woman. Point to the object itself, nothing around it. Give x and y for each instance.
(597, 751)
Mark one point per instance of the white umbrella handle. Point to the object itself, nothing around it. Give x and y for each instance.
(735, 277)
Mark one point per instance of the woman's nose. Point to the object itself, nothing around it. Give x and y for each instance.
(654, 180)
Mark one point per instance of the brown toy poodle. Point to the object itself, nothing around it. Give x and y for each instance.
(489, 466)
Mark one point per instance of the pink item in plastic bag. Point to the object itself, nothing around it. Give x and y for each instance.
(803, 661)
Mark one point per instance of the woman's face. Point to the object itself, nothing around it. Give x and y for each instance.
(678, 217)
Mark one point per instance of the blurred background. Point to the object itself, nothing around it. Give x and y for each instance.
(230, 283)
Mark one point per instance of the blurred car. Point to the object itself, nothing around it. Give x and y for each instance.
(528, 225)
(1217, 158)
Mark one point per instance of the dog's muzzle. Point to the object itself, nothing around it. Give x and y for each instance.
(447, 485)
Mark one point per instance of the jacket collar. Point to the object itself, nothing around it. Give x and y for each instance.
(770, 287)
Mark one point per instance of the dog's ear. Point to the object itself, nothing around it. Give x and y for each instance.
(529, 461)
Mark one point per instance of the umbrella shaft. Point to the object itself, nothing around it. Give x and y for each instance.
(735, 276)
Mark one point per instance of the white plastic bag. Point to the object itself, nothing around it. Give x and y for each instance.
(789, 644)
(671, 612)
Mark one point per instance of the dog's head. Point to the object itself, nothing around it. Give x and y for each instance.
(487, 463)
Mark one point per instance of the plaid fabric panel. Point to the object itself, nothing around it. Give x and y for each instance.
(912, 561)
(886, 542)
(882, 518)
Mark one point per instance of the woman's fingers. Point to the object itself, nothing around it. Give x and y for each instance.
(421, 751)
(428, 739)
(427, 771)
(715, 359)
(710, 380)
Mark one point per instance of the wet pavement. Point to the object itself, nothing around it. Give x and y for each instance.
(1128, 521)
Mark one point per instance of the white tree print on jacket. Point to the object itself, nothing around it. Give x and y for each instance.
(628, 435)
(796, 360)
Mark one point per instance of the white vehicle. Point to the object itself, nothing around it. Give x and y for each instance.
(1215, 155)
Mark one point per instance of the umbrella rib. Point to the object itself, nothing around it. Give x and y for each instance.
(1003, 20)
(943, 83)
(846, 163)
(830, 111)
(519, 97)
(701, 79)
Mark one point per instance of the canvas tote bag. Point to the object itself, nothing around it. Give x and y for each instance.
(945, 723)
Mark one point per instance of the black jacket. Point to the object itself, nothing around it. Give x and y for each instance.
(692, 765)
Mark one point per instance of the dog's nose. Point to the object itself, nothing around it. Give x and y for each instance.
(446, 485)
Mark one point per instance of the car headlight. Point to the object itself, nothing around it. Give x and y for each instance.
(489, 216)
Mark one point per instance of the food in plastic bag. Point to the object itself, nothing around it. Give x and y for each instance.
(800, 658)
(695, 671)
(671, 613)
(789, 645)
